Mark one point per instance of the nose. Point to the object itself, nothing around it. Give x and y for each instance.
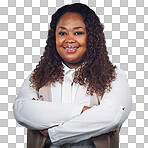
(69, 39)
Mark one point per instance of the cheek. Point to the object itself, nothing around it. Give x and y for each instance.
(83, 41)
(59, 41)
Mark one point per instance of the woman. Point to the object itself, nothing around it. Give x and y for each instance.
(78, 93)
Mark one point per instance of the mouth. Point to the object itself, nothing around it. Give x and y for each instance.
(71, 49)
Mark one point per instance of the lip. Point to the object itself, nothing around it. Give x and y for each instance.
(71, 49)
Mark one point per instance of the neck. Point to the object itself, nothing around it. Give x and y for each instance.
(72, 65)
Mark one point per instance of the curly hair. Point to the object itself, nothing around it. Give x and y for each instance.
(96, 72)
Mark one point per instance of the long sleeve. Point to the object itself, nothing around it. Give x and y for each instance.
(40, 114)
(113, 110)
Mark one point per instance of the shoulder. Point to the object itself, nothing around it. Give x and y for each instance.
(120, 73)
(120, 77)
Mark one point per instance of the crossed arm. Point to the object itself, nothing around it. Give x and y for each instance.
(40, 115)
(45, 132)
(114, 108)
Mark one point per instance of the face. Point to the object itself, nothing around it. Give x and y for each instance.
(71, 39)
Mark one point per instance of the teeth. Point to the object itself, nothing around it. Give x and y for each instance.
(70, 48)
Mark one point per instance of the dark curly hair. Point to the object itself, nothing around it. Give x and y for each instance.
(96, 72)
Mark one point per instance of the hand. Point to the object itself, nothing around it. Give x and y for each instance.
(45, 133)
(85, 108)
(112, 133)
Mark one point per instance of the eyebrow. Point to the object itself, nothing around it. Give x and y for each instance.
(73, 28)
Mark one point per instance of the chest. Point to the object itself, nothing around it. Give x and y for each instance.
(68, 93)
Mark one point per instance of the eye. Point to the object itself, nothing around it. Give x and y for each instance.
(79, 33)
(62, 33)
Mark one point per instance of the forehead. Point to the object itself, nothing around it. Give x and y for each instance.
(71, 19)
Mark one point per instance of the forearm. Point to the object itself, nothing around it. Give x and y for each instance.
(42, 115)
(90, 123)
(113, 110)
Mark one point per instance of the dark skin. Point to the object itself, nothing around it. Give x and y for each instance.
(71, 31)
(45, 133)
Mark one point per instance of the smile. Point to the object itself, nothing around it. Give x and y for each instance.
(70, 49)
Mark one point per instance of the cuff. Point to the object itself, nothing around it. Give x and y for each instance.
(52, 135)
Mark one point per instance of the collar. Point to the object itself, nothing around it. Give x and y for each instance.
(67, 69)
(68, 72)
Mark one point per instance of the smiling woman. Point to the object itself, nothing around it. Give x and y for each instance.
(71, 39)
(80, 99)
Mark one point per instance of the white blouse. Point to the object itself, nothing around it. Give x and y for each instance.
(62, 117)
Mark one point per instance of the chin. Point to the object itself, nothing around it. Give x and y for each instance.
(71, 61)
